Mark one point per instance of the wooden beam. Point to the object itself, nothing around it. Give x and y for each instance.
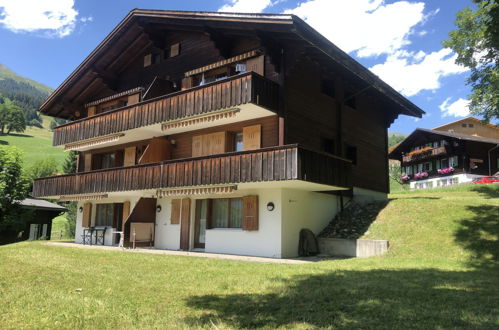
(221, 42)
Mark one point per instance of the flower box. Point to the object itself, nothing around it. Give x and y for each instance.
(447, 170)
(420, 175)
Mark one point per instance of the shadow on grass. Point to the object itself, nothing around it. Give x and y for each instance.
(409, 298)
(487, 191)
(480, 235)
(401, 196)
(2, 143)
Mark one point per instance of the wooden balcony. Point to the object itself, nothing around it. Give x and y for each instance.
(424, 155)
(289, 162)
(247, 88)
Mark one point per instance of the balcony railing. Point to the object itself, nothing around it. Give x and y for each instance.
(289, 162)
(425, 154)
(231, 92)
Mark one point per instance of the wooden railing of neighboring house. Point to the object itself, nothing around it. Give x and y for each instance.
(426, 154)
(289, 162)
(231, 92)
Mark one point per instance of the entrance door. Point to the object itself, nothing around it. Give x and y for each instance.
(200, 223)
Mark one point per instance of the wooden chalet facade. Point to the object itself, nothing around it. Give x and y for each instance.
(444, 156)
(216, 131)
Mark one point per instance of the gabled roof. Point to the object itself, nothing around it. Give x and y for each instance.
(40, 204)
(466, 119)
(408, 141)
(128, 31)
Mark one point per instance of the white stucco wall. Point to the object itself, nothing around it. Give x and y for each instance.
(304, 209)
(443, 181)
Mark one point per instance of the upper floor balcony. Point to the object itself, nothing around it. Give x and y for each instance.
(286, 166)
(238, 98)
(425, 153)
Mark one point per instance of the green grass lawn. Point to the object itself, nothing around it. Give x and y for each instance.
(36, 143)
(442, 272)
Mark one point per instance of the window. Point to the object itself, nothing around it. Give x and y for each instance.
(109, 215)
(108, 160)
(351, 153)
(156, 58)
(327, 145)
(227, 213)
(408, 170)
(453, 161)
(437, 164)
(470, 125)
(435, 144)
(351, 102)
(238, 141)
(463, 125)
(444, 163)
(427, 167)
(104, 215)
(327, 87)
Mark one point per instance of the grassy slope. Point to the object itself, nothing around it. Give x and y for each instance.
(5, 72)
(441, 272)
(36, 143)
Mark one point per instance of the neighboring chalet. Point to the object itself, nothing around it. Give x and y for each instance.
(37, 222)
(220, 132)
(450, 154)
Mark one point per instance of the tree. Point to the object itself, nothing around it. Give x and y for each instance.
(13, 189)
(476, 42)
(68, 167)
(11, 117)
(43, 168)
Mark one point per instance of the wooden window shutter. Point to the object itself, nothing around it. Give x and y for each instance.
(186, 83)
(130, 153)
(250, 213)
(91, 111)
(252, 137)
(175, 214)
(256, 64)
(87, 215)
(175, 50)
(217, 143)
(133, 99)
(197, 146)
(87, 159)
(147, 60)
(185, 217)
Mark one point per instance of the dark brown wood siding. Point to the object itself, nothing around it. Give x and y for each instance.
(270, 164)
(312, 116)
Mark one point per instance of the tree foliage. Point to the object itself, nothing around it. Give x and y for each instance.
(13, 189)
(11, 117)
(476, 42)
(68, 167)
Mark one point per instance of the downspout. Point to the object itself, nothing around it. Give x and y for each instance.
(490, 164)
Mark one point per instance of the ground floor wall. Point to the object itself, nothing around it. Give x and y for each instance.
(278, 227)
(444, 181)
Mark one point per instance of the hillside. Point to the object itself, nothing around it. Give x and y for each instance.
(36, 143)
(440, 273)
(26, 93)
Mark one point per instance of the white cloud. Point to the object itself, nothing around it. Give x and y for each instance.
(246, 6)
(366, 27)
(52, 17)
(458, 108)
(412, 73)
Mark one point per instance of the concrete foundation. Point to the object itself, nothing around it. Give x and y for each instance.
(358, 248)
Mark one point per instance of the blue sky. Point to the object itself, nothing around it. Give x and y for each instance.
(400, 41)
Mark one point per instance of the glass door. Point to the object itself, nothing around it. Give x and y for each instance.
(200, 223)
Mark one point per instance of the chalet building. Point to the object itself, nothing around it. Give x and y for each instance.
(450, 154)
(222, 132)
